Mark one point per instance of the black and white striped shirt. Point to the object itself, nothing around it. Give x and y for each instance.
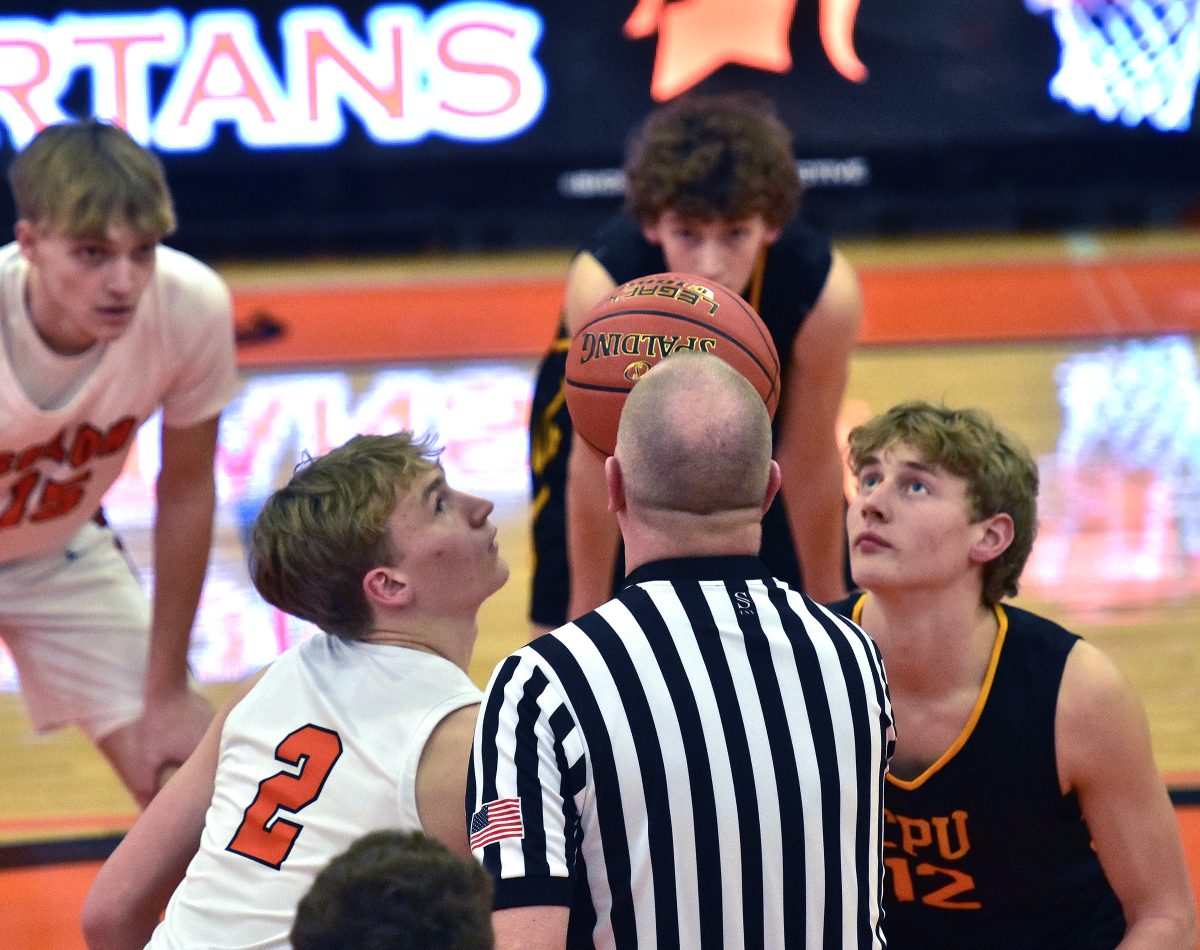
(698, 763)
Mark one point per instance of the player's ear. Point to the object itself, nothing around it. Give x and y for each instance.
(615, 481)
(26, 235)
(774, 480)
(387, 587)
(994, 536)
(652, 231)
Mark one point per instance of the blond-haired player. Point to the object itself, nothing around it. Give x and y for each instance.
(363, 727)
(1023, 807)
(100, 327)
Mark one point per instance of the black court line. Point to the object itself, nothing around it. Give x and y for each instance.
(63, 851)
(68, 850)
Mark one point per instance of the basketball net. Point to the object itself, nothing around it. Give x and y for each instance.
(1127, 61)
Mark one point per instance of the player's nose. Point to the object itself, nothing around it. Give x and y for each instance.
(710, 260)
(120, 275)
(478, 510)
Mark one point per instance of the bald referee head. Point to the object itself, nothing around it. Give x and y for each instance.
(692, 474)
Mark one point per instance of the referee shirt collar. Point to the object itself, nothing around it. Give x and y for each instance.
(739, 567)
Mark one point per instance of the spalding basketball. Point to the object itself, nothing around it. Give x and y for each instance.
(646, 320)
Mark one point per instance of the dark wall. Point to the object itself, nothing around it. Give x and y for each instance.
(954, 129)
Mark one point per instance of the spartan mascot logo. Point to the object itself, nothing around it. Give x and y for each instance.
(698, 37)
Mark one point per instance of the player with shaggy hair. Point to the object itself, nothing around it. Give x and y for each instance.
(711, 190)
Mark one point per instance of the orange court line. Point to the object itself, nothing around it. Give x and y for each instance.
(58, 827)
(1030, 301)
(440, 319)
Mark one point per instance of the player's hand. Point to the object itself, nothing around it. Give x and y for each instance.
(169, 729)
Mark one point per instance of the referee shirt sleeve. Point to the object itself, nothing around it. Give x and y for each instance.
(525, 785)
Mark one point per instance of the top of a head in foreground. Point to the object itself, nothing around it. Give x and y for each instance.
(716, 156)
(399, 890)
(316, 538)
(82, 177)
(695, 437)
(1000, 474)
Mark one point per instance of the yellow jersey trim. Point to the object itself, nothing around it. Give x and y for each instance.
(980, 702)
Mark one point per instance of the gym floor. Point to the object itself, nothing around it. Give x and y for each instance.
(1085, 345)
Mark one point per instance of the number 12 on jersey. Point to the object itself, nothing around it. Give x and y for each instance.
(266, 838)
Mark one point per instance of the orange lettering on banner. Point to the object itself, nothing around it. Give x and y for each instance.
(21, 90)
(318, 49)
(120, 54)
(225, 49)
(480, 69)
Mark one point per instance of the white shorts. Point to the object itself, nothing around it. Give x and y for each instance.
(78, 625)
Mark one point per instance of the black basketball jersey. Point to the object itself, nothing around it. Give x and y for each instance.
(983, 850)
(784, 287)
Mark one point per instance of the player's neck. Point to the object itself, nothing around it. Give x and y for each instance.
(451, 640)
(47, 322)
(931, 641)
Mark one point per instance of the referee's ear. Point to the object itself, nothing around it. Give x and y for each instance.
(774, 480)
(615, 480)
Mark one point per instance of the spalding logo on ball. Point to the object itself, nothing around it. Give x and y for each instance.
(646, 320)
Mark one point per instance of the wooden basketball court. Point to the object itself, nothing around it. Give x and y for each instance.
(1060, 337)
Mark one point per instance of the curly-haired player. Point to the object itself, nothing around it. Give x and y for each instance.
(711, 189)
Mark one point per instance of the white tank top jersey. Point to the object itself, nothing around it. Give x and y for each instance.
(56, 464)
(323, 749)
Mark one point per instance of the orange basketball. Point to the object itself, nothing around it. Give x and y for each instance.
(649, 318)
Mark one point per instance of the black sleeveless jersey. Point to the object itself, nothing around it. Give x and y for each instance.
(787, 281)
(982, 850)
(783, 289)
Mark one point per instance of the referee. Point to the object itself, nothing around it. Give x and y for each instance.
(699, 762)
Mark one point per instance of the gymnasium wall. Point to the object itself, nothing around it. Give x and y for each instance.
(292, 128)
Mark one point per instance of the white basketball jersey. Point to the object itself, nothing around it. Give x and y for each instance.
(56, 464)
(323, 749)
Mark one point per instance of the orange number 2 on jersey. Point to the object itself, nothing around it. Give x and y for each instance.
(266, 838)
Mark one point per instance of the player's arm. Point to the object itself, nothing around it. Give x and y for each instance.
(531, 928)
(1104, 754)
(133, 886)
(592, 533)
(442, 779)
(174, 718)
(806, 447)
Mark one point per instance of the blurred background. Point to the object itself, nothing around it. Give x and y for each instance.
(394, 191)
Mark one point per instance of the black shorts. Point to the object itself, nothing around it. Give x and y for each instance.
(549, 449)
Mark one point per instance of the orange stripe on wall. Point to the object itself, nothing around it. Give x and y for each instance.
(402, 322)
(444, 319)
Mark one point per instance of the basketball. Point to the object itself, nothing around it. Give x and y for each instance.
(647, 319)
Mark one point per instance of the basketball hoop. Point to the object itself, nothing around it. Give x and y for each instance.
(1127, 61)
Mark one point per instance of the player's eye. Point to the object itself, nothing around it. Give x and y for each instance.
(918, 487)
(89, 253)
(868, 480)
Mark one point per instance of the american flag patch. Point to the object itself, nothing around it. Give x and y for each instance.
(496, 821)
